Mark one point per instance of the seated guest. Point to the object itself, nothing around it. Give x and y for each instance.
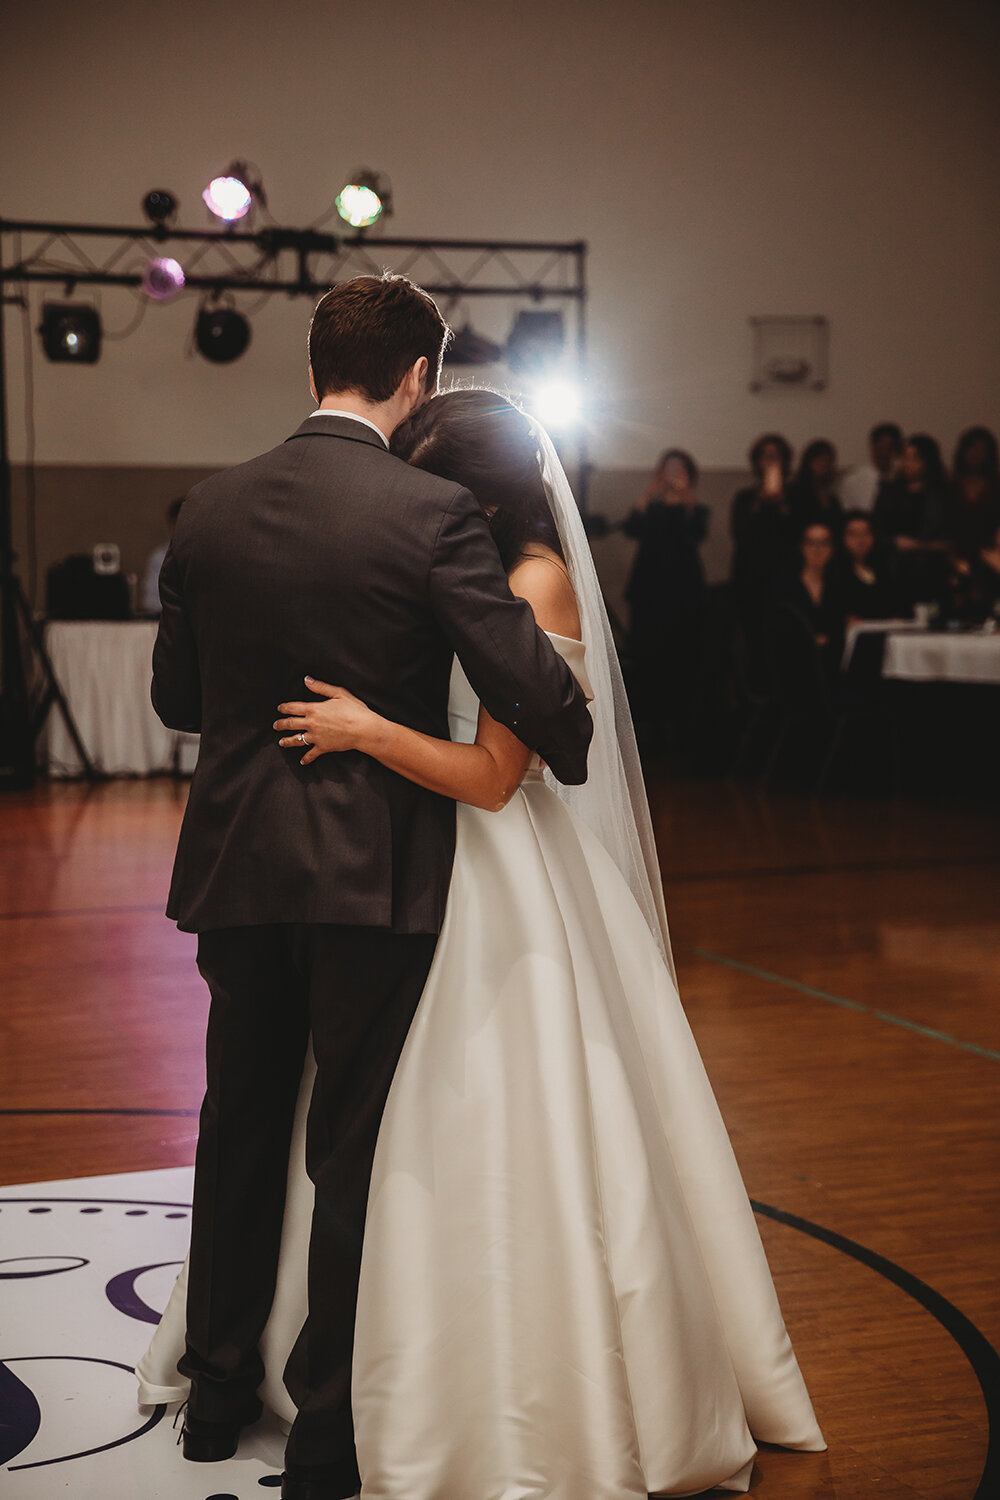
(812, 493)
(909, 521)
(976, 584)
(149, 599)
(885, 445)
(972, 513)
(811, 591)
(666, 593)
(762, 525)
(863, 581)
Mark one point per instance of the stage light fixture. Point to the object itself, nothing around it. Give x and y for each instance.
(229, 198)
(159, 205)
(536, 341)
(222, 334)
(556, 403)
(471, 348)
(363, 200)
(163, 279)
(71, 333)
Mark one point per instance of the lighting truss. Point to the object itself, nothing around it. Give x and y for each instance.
(298, 262)
(294, 262)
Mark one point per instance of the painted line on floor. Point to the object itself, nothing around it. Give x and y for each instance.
(159, 1412)
(850, 867)
(80, 911)
(841, 1000)
(180, 1114)
(979, 1352)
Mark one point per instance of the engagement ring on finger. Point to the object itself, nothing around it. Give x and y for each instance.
(302, 739)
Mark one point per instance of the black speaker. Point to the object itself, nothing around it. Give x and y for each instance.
(74, 591)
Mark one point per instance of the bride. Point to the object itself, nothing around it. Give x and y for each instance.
(563, 1292)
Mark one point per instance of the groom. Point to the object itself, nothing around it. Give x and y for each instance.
(317, 892)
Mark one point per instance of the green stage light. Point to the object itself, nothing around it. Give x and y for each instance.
(363, 200)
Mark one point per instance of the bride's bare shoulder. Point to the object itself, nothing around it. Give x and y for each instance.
(541, 577)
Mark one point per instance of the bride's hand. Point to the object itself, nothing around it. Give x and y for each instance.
(341, 722)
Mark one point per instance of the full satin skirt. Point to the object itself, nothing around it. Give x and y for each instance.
(563, 1291)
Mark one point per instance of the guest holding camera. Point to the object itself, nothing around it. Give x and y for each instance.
(762, 525)
(666, 595)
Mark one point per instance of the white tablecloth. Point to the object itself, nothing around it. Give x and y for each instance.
(105, 669)
(939, 656)
(872, 627)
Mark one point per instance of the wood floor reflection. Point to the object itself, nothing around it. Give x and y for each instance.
(838, 962)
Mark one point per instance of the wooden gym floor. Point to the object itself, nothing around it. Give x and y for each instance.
(838, 961)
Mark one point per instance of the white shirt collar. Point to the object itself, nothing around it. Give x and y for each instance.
(329, 411)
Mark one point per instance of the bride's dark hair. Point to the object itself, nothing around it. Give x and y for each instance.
(482, 441)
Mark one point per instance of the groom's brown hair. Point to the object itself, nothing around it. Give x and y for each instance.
(366, 333)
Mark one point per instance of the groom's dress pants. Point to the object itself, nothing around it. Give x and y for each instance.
(356, 990)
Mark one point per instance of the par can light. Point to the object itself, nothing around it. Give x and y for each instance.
(159, 206)
(229, 198)
(71, 333)
(364, 199)
(359, 206)
(222, 334)
(535, 342)
(471, 348)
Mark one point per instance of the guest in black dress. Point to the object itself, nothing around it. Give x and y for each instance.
(862, 575)
(810, 597)
(972, 512)
(975, 584)
(812, 493)
(910, 520)
(763, 528)
(667, 598)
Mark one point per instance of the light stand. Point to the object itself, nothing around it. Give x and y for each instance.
(20, 723)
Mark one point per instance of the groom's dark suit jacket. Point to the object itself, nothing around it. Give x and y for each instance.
(330, 556)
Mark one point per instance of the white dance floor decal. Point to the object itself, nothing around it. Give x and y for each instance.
(86, 1267)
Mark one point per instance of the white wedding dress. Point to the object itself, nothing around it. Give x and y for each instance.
(563, 1291)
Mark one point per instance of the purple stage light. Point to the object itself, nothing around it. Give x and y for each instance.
(163, 279)
(228, 198)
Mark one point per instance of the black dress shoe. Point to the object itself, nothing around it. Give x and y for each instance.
(320, 1482)
(210, 1442)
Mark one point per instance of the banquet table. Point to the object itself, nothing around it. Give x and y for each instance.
(104, 668)
(862, 628)
(968, 656)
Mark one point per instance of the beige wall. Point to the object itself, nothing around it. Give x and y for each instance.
(76, 506)
(723, 158)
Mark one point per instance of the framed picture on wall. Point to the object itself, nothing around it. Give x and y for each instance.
(790, 354)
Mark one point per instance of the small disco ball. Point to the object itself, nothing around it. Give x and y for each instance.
(163, 279)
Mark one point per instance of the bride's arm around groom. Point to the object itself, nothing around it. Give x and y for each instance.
(317, 892)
